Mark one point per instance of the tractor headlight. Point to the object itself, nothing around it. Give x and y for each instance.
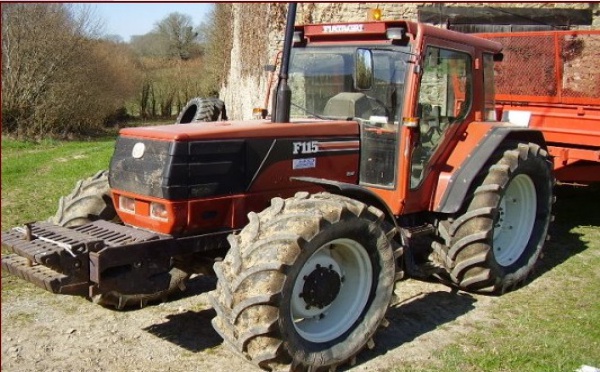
(127, 204)
(159, 211)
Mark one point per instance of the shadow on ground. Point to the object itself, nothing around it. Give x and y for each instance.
(575, 207)
(415, 317)
(422, 314)
(192, 330)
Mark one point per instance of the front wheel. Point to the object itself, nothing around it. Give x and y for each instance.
(306, 283)
(89, 201)
(495, 243)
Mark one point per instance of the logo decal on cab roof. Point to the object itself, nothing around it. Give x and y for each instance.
(330, 29)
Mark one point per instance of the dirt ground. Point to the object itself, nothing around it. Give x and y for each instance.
(46, 332)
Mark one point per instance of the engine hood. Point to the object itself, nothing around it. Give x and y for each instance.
(242, 129)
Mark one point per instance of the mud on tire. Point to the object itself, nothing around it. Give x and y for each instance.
(305, 284)
(494, 243)
(90, 201)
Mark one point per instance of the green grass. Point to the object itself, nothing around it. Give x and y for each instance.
(36, 175)
(553, 323)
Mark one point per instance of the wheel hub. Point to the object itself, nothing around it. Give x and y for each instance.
(515, 220)
(331, 290)
(321, 287)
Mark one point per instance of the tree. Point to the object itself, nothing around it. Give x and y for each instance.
(151, 44)
(172, 65)
(117, 39)
(56, 78)
(178, 32)
(216, 37)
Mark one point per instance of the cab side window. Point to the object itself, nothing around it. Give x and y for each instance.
(444, 99)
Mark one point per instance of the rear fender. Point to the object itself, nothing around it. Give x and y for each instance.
(454, 185)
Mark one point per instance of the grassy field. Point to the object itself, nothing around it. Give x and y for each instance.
(552, 324)
(36, 175)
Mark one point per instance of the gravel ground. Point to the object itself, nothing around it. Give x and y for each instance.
(46, 332)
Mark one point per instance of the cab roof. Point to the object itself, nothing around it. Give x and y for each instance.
(376, 31)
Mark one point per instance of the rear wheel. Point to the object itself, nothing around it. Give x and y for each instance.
(90, 201)
(306, 283)
(494, 245)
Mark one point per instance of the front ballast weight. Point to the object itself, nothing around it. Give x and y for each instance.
(73, 260)
(52, 257)
(109, 263)
(83, 250)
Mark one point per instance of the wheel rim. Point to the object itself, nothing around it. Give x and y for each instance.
(331, 290)
(515, 220)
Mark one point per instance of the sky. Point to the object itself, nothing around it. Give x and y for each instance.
(127, 19)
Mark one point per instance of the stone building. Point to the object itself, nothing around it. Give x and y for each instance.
(257, 32)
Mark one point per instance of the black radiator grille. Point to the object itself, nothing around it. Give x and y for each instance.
(179, 170)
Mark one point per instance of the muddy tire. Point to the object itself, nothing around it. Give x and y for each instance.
(89, 201)
(305, 284)
(121, 301)
(198, 110)
(495, 243)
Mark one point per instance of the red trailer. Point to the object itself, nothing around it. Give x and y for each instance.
(550, 81)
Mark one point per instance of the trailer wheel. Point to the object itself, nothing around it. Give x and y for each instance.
(307, 282)
(494, 245)
(89, 201)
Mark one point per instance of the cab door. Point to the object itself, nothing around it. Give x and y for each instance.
(444, 104)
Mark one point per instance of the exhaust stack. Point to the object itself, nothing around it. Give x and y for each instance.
(282, 99)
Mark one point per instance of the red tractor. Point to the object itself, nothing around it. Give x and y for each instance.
(384, 159)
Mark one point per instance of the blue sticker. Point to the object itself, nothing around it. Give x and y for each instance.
(304, 163)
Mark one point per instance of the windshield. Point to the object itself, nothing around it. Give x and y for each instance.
(322, 84)
(321, 80)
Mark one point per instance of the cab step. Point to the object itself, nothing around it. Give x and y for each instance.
(421, 230)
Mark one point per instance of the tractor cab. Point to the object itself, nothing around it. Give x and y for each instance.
(410, 86)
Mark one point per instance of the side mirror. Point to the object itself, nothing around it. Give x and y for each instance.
(363, 69)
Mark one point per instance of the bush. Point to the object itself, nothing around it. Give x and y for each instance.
(57, 79)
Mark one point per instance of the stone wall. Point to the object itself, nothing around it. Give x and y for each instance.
(258, 37)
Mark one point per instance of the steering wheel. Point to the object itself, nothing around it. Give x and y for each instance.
(379, 108)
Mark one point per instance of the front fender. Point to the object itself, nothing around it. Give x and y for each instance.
(356, 192)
